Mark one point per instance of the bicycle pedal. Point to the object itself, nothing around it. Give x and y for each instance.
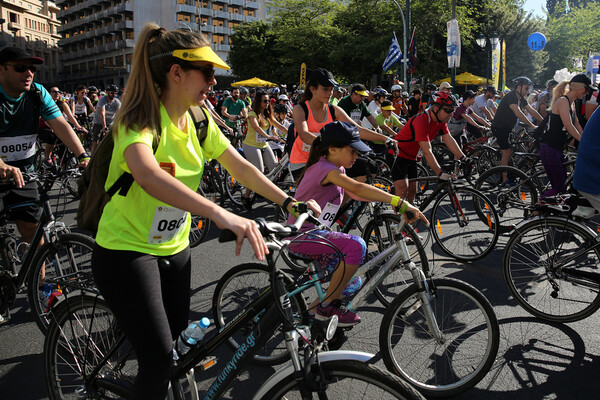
(208, 362)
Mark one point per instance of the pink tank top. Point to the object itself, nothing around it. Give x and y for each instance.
(300, 149)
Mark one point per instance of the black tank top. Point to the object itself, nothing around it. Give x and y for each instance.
(557, 136)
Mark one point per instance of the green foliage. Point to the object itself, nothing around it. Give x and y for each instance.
(351, 38)
(575, 34)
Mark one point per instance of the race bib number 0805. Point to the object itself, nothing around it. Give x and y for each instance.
(167, 223)
(17, 148)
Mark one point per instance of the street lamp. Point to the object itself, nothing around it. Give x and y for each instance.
(481, 42)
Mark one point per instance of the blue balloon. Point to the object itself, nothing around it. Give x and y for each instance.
(536, 41)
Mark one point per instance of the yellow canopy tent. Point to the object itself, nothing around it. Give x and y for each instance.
(466, 78)
(254, 82)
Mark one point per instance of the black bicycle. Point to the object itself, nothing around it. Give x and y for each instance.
(50, 268)
(87, 357)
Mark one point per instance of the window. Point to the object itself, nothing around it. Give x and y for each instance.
(218, 39)
(217, 22)
(217, 7)
(249, 13)
(234, 10)
(129, 35)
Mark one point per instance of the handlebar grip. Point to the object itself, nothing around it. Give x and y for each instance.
(410, 214)
(227, 236)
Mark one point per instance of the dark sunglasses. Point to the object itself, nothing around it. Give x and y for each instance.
(20, 68)
(209, 72)
(56, 92)
(448, 110)
(266, 101)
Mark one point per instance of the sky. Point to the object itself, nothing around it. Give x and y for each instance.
(536, 6)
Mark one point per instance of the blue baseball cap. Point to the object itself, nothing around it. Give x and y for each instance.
(343, 133)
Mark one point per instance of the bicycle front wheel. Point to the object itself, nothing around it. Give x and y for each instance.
(510, 196)
(347, 379)
(234, 291)
(378, 236)
(58, 268)
(551, 270)
(457, 360)
(465, 224)
(82, 332)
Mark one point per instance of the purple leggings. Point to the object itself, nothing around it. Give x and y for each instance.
(553, 160)
(353, 249)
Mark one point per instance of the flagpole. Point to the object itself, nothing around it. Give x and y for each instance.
(404, 54)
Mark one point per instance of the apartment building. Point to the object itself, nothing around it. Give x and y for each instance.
(33, 25)
(98, 36)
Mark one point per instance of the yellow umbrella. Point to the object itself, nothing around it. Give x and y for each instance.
(466, 78)
(254, 82)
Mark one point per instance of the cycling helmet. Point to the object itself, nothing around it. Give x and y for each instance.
(431, 86)
(226, 93)
(92, 89)
(522, 80)
(405, 94)
(444, 99)
(276, 91)
(396, 87)
(112, 88)
(380, 92)
(243, 90)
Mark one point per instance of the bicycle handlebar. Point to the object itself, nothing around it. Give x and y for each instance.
(269, 228)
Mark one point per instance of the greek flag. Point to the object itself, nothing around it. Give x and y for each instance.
(394, 54)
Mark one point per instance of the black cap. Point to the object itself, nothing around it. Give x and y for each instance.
(17, 54)
(322, 77)
(491, 89)
(468, 94)
(343, 133)
(583, 78)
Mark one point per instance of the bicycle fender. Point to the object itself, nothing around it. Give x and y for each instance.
(324, 357)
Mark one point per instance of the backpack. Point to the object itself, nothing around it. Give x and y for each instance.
(90, 186)
(292, 134)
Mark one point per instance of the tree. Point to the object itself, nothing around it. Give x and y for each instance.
(573, 35)
(252, 51)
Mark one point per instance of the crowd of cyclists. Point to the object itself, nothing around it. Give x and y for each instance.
(324, 128)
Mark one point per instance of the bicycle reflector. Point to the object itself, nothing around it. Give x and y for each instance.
(439, 226)
(332, 327)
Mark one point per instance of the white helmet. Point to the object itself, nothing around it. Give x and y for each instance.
(396, 87)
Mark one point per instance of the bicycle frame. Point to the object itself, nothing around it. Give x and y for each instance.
(398, 252)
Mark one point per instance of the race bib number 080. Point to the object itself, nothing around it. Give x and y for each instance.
(167, 223)
(17, 148)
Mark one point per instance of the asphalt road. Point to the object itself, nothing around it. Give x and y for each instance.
(536, 360)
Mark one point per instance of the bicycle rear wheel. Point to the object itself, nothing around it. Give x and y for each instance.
(510, 198)
(347, 379)
(550, 273)
(82, 333)
(234, 291)
(66, 266)
(457, 361)
(378, 236)
(465, 224)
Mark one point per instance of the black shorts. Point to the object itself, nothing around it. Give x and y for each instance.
(97, 133)
(402, 168)
(28, 193)
(502, 135)
(47, 136)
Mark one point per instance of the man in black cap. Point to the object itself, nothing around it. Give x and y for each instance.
(22, 102)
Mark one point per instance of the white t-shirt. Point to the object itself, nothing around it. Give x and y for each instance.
(375, 110)
(479, 103)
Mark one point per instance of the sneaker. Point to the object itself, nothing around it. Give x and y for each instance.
(346, 318)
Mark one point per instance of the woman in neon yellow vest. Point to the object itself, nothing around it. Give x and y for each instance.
(142, 262)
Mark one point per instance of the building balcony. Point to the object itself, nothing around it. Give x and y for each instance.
(207, 12)
(252, 5)
(184, 8)
(123, 25)
(221, 14)
(236, 17)
(237, 3)
(14, 26)
(221, 47)
(222, 30)
(221, 1)
(250, 19)
(207, 28)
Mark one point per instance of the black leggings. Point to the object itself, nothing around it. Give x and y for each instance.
(150, 299)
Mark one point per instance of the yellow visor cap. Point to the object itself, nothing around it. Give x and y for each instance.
(388, 108)
(201, 54)
(362, 93)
